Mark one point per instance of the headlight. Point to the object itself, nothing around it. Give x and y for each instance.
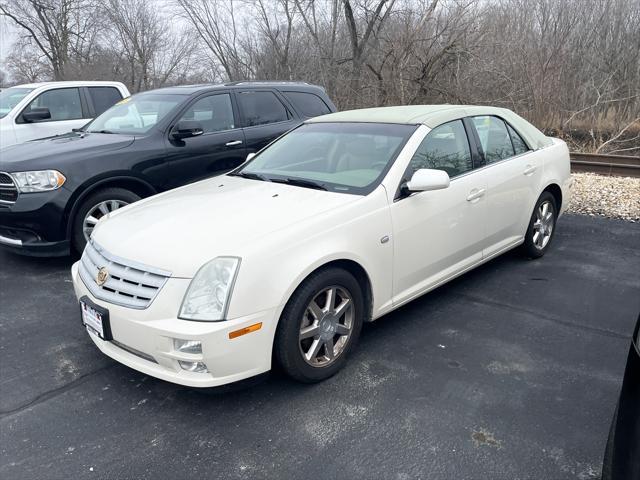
(208, 294)
(38, 181)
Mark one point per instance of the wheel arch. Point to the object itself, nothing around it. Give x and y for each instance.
(352, 266)
(137, 185)
(555, 190)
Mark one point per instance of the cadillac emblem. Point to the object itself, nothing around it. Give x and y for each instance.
(102, 276)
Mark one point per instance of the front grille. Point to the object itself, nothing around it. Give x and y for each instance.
(127, 283)
(8, 189)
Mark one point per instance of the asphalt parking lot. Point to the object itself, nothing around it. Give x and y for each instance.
(511, 371)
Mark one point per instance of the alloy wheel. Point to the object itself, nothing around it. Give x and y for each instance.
(98, 211)
(326, 326)
(543, 225)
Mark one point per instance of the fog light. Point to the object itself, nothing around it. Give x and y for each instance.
(197, 367)
(187, 346)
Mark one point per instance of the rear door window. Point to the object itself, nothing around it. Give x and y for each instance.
(261, 108)
(104, 98)
(309, 104)
(494, 138)
(63, 104)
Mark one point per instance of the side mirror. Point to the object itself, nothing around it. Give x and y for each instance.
(186, 129)
(250, 156)
(36, 114)
(428, 179)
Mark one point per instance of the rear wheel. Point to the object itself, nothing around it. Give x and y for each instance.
(96, 206)
(320, 326)
(541, 226)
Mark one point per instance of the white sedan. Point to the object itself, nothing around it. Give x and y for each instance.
(336, 223)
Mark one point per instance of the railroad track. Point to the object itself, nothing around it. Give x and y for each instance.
(618, 165)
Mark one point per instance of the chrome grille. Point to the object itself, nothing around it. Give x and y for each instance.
(8, 189)
(128, 284)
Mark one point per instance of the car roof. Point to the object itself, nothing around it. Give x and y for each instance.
(434, 115)
(191, 89)
(67, 83)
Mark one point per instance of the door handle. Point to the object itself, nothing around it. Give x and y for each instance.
(233, 143)
(475, 195)
(529, 169)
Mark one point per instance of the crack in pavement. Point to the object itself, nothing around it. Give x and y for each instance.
(494, 303)
(43, 397)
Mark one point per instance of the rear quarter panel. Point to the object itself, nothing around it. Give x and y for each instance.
(557, 170)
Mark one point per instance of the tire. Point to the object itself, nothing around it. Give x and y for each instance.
(294, 354)
(113, 197)
(539, 235)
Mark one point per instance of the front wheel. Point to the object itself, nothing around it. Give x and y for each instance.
(96, 206)
(320, 326)
(541, 226)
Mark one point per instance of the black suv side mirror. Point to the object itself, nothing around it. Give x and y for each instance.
(36, 114)
(186, 129)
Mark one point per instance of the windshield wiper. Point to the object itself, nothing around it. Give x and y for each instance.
(299, 182)
(249, 175)
(100, 131)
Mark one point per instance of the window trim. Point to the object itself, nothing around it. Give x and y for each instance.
(83, 106)
(275, 93)
(174, 121)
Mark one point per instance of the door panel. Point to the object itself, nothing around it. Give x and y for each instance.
(219, 149)
(438, 234)
(514, 175)
(513, 186)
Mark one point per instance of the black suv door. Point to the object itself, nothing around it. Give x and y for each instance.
(264, 116)
(218, 149)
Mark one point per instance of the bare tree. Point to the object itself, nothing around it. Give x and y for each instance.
(217, 27)
(52, 25)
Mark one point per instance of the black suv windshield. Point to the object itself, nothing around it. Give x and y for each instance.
(135, 115)
(340, 157)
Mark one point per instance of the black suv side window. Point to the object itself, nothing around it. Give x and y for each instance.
(262, 107)
(213, 112)
(309, 104)
(446, 147)
(63, 104)
(104, 98)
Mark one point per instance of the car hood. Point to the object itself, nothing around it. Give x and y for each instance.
(182, 229)
(50, 152)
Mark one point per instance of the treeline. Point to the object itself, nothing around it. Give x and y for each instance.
(568, 65)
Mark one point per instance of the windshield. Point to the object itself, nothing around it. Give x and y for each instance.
(10, 97)
(135, 115)
(341, 157)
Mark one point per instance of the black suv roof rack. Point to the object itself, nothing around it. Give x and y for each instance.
(263, 82)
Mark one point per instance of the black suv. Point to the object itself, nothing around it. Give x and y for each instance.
(53, 191)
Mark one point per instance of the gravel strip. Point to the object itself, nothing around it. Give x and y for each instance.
(612, 197)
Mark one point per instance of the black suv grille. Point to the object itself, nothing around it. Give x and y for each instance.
(8, 190)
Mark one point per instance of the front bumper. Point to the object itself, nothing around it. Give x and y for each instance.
(143, 339)
(35, 224)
